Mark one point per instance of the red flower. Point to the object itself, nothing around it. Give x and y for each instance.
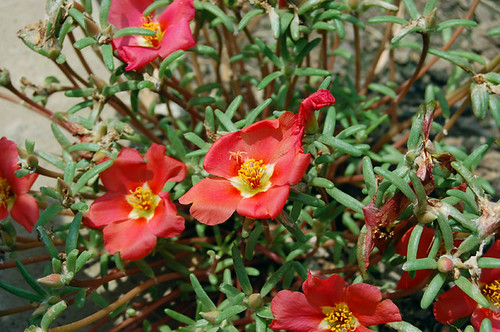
(14, 195)
(171, 28)
(454, 303)
(135, 211)
(328, 305)
(253, 169)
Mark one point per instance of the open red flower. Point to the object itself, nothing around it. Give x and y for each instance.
(253, 169)
(328, 305)
(171, 28)
(454, 303)
(14, 195)
(135, 210)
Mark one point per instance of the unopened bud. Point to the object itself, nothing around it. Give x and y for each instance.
(52, 280)
(430, 20)
(32, 162)
(445, 264)
(255, 301)
(4, 77)
(210, 315)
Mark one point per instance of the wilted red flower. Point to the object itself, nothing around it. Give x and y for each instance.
(135, 210)
(253, 169)
(454, 303)
(14, 195)
(328, 305)
(171, 29)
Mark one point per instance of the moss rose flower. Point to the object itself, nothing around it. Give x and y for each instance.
(253, 169)
(14, 195)
(135, 210)
(454, 303)
(328, 305)
(171, 28)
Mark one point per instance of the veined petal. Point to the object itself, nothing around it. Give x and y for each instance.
(107, 209)
(452, 305)
(324, 292)
(292, 312)
(127, 172)
(214, 200)
(166, 222)
(176, 37)
(163, 168)
(363, 298)
(132, 238)
(480, 314)
(385, 312)
(266, 204)
(127, 13)
(137, 56)
(25, 211)
(176, 12)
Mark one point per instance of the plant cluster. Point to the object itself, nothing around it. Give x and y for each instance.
(250, 166)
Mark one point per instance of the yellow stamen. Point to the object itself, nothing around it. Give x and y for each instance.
(251, 172)
(340, 318)
(492, 292)
(152, 41)
(143, 202)
(6, 192)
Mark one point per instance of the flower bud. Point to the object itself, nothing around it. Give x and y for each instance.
(255, 301)
(4, 77)
(52, 280)
(445, 264)
(210, 315)
(32, 162)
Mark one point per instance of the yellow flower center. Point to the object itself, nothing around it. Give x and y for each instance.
(253, 176)
(6, 192)
(340, 318)
(492, 292)
(151, 41)
(251, 172)
(143, 202)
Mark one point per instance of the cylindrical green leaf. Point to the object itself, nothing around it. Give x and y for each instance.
(480, 99)
(201, 295)
(239, 268)
(346, 199)
(472, 290)
(90, 174)
(275, 278)
(30, 280)
(432, 290)
(248, 16)
(180, 317)
(74, 228)
(52, 313)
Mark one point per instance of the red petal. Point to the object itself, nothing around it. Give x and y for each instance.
(293, 312)
(385, 312)
(214, 200)
(131, 238)
(127, 13)
(4, 212)
(406, 282)
(166, 222)
(163, 168)
(137, 56)
(490, 275)
(177, 12)
(109, 208)
(8, 151)
(128, 172)
(324, 292)
(480, 314)
(452, 305)
(25, 211)
(267, 204)
(426, 240)
(312, 103)
(363, 299)
(290, 168)
(22, 185)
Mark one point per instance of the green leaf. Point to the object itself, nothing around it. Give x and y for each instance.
(47, 242)
(383, 89)
(155, 5)
(455, 23)
(432, 290)
(472, 290)
(226, 20)
(256, 112)
(30, 280)
(308, 71)
(494, 104)
(168, 60)
(459, 61)
(201, 295)
(84, 42)
(74, 228)
(104, 13)
(107, 56)
(239, 268)
(403, 326)
(340, 145)
(480, 100)
(387, 19)
(48, 214)
(230, 312)
(248, 16)
(398, 182)
(268, 79)
(412, 9)
(78, 17)
(130, 31)
(180, 317)
(94, 171)
(494, 32)
(275, 278)
(346, 200)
